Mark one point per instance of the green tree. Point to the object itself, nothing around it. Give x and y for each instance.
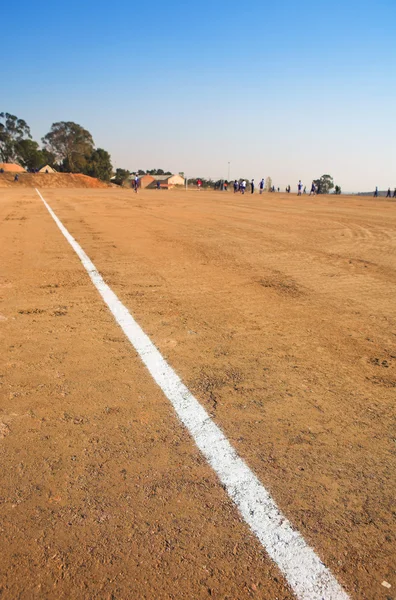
(121, 176)
(71, 144)
(324, 184)
(157, 172)
(12, 131)
(337, 189)
(98, 164)
(29, 155)
(48, 158)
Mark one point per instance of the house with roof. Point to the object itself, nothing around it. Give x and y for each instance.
(47, 169)
(166, 182)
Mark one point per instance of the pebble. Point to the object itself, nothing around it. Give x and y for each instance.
(386, 584)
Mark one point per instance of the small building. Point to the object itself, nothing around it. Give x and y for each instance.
(11, 168)
(145, 180)
(166, 181)
(47, 169)
(175, 180)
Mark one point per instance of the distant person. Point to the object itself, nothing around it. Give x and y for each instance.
(388, 193)
(313, 189)
(278, 190)
(158, 185)
(252, 186)
(225, 186)
(376, 192)
(46, 170)
(394, 193)
(199, 184)
(1, 171)
(16, 178)
(305, 189)
(243, 187)
(299, 187)
(236, 186)
(135, 183)
(261, 185)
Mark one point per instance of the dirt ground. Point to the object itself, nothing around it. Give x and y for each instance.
(278, 312)
(51, 180)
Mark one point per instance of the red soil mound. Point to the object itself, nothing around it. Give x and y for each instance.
(51, 180)
(12, 168)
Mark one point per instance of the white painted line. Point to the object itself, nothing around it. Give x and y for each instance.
(303, 569)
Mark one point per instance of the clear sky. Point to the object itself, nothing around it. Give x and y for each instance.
(286, 88)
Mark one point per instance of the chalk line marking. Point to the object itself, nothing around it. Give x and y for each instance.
(306, 574)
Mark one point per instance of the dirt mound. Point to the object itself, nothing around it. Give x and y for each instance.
(12, 168)
(51, 180)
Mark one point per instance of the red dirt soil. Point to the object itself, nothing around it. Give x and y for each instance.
(278, 312)
(12, 168)
(52, 180)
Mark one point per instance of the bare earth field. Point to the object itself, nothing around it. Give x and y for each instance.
(278, 313)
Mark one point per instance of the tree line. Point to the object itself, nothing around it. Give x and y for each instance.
(70, 148)
(67, 147)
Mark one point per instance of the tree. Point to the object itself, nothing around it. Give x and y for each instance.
(70, 143)
(324, 184)
(98, 164)
(157, 172)
(29, 155)
(12, 131)
(121, 176)
(48, 158)
(268, 184)
(337, 189)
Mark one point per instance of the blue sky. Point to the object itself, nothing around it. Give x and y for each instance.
(284, 88)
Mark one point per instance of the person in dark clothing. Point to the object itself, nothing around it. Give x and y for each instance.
(252, 186)
(388, 193)
(376, 192)
(394, 193)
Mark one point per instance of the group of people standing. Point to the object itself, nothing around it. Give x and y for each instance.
(240, 186)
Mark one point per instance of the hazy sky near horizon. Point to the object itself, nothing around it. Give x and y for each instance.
(284, 89)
